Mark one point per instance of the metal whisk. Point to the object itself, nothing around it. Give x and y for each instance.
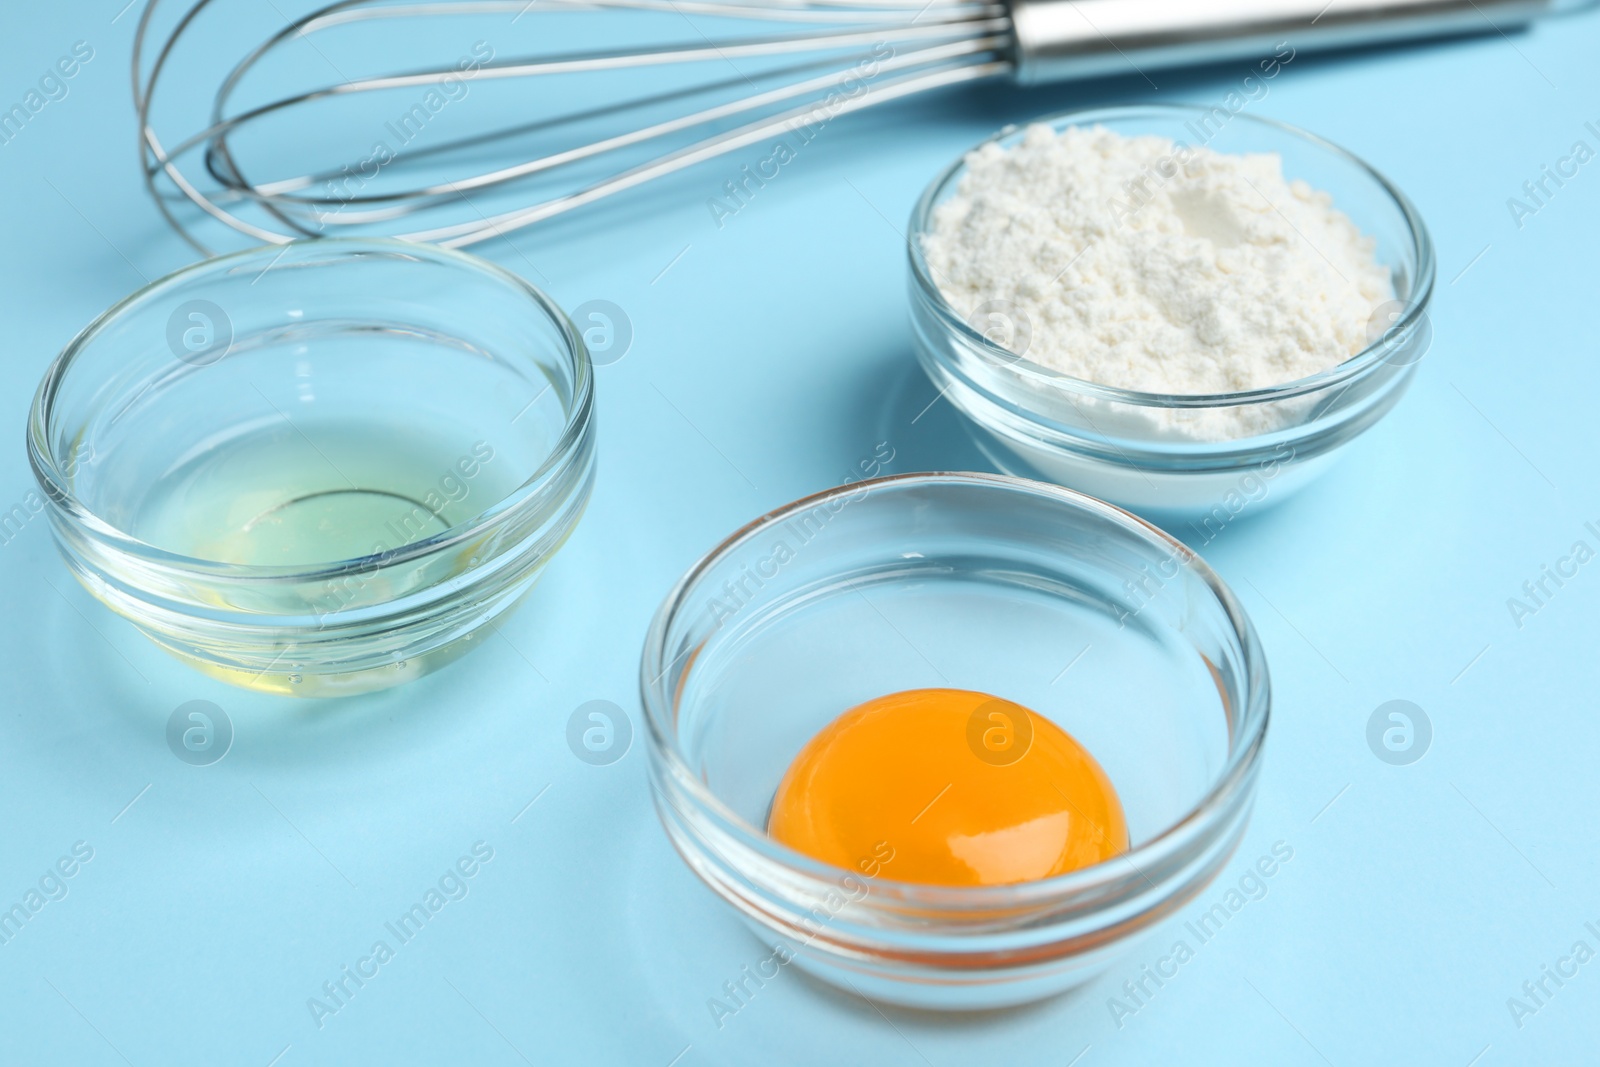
(846, 55)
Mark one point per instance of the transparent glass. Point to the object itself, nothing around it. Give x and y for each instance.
(1185, 455)
(1030, 592)
(318, 468)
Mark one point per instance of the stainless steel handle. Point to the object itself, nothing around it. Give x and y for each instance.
(1057, 40)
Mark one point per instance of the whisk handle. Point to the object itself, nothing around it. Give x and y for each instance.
(1058, 40)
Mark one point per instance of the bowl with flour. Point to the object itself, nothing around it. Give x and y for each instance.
(1183, 310)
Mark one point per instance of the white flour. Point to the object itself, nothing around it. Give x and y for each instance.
(1139, 263)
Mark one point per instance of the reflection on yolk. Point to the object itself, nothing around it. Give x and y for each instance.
(948, 787)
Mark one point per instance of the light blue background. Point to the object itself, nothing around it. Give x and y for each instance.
(768, 359)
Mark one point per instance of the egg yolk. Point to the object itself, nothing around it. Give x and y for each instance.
(948, 787)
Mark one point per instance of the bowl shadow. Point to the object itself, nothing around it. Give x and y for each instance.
(927, 433)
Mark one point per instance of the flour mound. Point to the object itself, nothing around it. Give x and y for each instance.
(1149, 265)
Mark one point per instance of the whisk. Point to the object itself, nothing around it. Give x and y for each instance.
(839, 56)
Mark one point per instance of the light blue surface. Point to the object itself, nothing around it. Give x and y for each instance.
(769, 358)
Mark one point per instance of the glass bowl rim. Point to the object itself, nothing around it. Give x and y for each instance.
(49, 475)
(1370, 357)
(1245, 741)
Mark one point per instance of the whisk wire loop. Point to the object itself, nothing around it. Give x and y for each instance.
(855, 54)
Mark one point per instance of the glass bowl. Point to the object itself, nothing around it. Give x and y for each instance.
(318, 468)
(1031, 592)
(1196, 456)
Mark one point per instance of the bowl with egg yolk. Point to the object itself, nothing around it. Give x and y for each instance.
(953, 741)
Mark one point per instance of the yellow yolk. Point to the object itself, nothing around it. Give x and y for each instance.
(948, 787)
